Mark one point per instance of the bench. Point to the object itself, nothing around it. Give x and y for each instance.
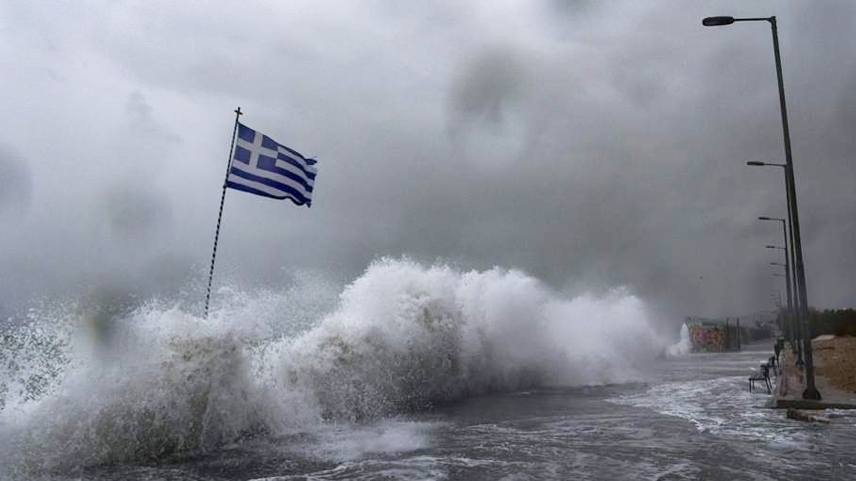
(762, 375)
(774, 363)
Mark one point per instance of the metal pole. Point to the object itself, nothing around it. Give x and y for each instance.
(738, 334)
(727, 338)
(792, 288)
(789, 314)
(811, 391)
(220, 214)
(789, 259)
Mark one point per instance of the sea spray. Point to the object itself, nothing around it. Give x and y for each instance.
(144, 401)
(162, 381)
(406, 337)
(683, 346)
(401, 338)
(33, 355)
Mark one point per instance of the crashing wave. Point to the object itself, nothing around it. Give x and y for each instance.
(401, 338)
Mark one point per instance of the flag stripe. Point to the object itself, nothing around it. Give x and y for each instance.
(266, 187)
(305, 169)
(285, 187)
(283, 174)
(253, 190)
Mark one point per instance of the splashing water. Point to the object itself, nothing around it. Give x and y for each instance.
(401, 338)
(683, 346)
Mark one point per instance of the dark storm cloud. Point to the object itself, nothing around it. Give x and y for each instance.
(591, 144)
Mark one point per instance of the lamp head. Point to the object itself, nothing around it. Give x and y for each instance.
(717, 21)
(755, 162)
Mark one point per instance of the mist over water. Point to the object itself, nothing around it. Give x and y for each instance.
(78, 389)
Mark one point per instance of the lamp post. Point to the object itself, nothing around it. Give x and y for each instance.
(787, 261)
(811, 391)
(788, 317)
(777, 295)
(793, 316)
(796, 313)
(789, 238)
(787, 277)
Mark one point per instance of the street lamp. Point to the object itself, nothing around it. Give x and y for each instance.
(811, 391)
(796, 313)
(787, 260)
(796, 336)
(777, 296)
(720, 21)
(792, 323)
(789, 239)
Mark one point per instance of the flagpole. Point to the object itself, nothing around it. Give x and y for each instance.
(220, 215)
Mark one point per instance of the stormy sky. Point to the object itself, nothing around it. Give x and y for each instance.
(590, 144)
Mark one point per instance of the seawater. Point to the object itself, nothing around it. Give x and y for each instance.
(82, 389)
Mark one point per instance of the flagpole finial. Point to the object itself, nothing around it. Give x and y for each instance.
(238, 111)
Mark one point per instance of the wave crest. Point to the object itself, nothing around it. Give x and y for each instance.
(406, 337)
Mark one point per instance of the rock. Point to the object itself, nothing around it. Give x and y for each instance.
(804, 415)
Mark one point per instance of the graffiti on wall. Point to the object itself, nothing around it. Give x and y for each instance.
(706, 338)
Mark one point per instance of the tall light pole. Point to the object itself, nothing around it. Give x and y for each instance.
(796, 326)
(789, 253)
(811, 391)
(790, 235)
(793, 317)
(788, 323)
(787, 262)
(787, 280)
(777, 299)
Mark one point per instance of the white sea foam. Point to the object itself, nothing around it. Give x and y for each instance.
(349, 442)
(722, 406)
(401, 338)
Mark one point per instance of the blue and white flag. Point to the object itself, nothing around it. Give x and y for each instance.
(264, 167)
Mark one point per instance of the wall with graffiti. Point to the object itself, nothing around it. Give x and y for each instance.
(706, 338)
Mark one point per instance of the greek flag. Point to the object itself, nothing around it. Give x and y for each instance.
(264, 167)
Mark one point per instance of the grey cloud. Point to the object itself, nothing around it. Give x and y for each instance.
(592, 145)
